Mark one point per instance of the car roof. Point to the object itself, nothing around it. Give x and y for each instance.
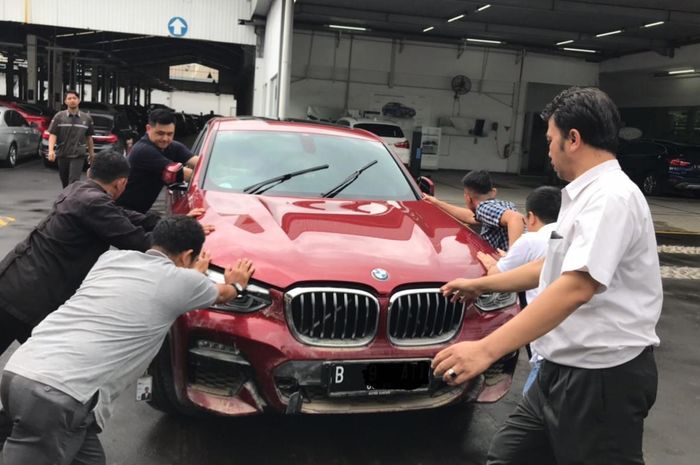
(263, 124)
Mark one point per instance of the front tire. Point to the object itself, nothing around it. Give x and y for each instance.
(163, 396)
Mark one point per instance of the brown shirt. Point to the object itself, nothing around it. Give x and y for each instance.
(71, 131)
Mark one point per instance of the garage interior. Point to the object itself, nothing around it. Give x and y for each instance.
(480, 72)
(116, 68)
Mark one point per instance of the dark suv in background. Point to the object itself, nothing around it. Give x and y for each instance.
(659, 166)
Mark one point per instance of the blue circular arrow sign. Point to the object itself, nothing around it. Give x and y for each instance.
(177, 26)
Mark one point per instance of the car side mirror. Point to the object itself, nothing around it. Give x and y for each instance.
(426, 185)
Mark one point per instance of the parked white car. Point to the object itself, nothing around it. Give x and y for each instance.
(390, 132)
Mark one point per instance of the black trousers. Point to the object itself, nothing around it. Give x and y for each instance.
(70, 169)
(579, 416)
(49, 427)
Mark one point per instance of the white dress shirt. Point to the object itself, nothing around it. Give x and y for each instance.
(604, 228)
(527, 248)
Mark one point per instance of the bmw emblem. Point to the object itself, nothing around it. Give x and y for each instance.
(380, 274)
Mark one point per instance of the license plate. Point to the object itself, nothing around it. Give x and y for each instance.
(378, 378)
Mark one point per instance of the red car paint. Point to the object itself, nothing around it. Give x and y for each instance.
(323, 242)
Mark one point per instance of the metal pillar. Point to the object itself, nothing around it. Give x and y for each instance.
(285, 72)
(105, 86)
(10, 75)
(57, 89)
(94, 83)
(32, 69)
(81, 79)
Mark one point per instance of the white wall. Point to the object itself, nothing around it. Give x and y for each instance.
(196, 102)
(632, 80)
(423, 73)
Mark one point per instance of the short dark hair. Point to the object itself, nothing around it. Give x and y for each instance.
(108, 165)
(176, 234)
(161, 116)
(544, 202)
(478, 181)
(589, 110)
(71, 91)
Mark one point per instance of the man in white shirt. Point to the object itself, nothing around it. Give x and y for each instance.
(58, 387)
(595, 316)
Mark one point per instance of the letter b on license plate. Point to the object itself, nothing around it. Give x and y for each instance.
(376, 378)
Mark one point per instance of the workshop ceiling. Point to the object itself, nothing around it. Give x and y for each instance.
(543, 26)
(133, 56)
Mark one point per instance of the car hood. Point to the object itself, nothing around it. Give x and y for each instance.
(295, 240)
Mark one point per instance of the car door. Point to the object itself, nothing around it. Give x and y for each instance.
(19, 135)
(6, 136)
(28, 136)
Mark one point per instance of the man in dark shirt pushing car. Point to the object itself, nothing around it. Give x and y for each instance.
(156, 160)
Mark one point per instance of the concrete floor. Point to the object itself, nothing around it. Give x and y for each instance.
(140, 435)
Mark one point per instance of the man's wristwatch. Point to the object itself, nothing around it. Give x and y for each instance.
(240, 290)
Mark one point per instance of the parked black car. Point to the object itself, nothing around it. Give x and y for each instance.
(137, 116)
(112, 130)
(660, 165)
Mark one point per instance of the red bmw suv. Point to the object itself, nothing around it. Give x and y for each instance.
(344, 313)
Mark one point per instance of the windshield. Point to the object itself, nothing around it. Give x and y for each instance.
(102, 122)
(243, 158)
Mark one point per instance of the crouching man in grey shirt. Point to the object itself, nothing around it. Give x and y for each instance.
(57, 388)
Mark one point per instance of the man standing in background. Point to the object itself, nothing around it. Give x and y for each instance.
(70, 132)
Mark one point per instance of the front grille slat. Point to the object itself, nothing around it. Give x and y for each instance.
(422, 317)
(324, 309)
(338, 317)
(357, 316)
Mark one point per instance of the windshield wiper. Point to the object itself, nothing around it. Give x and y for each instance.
(347, 181)
(262, 186)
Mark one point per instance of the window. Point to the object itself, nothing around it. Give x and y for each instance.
(194, 72)
(14, 119)
(102, 121)
(382, 130)
(7, 116)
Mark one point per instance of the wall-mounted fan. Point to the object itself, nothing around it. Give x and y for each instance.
(461, 84)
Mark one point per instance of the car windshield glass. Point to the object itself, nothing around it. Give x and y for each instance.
(102, 122)
(382, 130)
(242, 158)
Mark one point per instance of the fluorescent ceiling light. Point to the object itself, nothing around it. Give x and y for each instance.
(484, 41)
(584, 50)
(429, 28)
(488, 5)
(564, 42)
(682, 71)
(609, 33)
(349, 28)
(658, 23)
(455, 18)
(77, 34)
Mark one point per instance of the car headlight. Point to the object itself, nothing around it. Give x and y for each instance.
(256, 297)
(495, 301)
